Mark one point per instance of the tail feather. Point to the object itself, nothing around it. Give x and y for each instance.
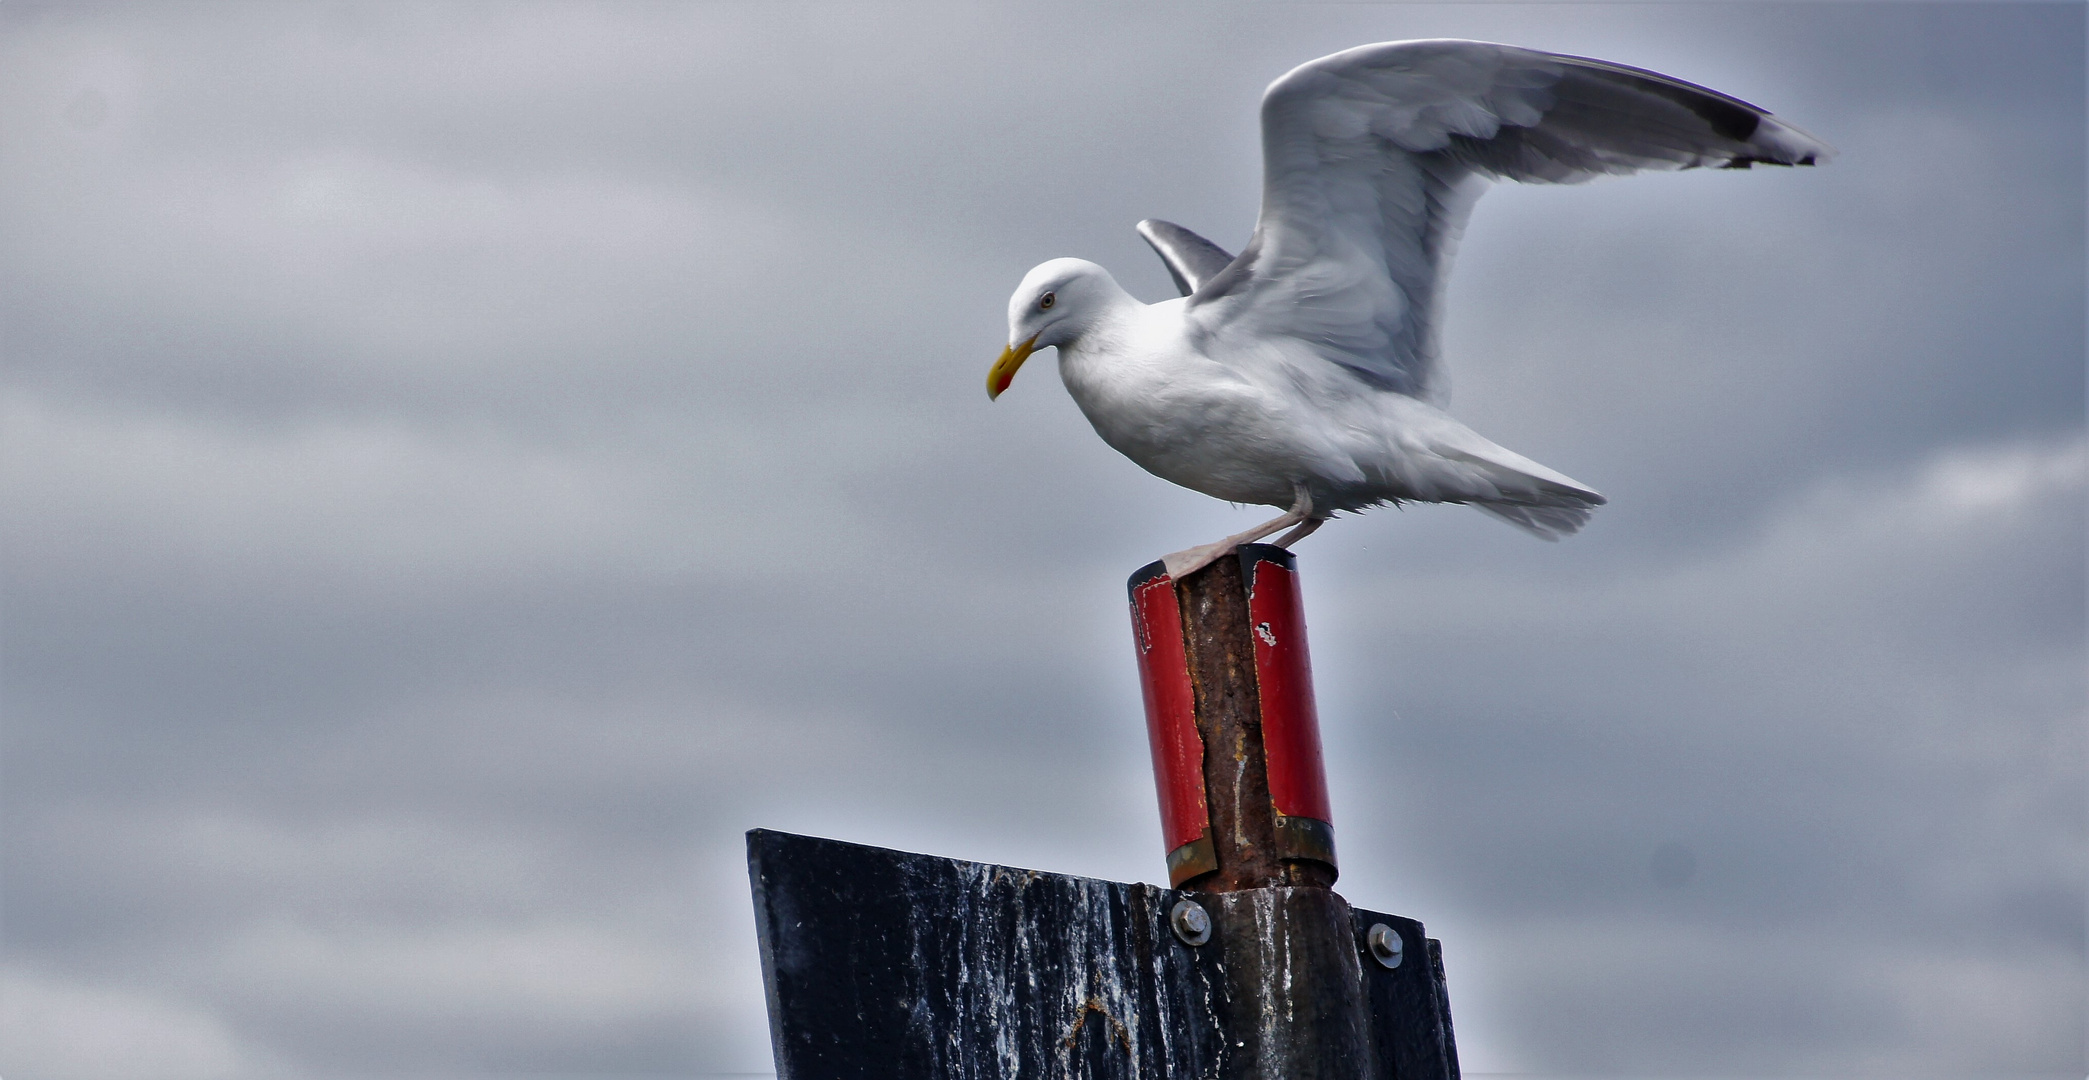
(1543, 522)
(1541, 502)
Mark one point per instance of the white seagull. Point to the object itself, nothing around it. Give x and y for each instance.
(1303, 372)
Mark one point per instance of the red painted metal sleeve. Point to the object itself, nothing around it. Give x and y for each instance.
(1284, 675)
(1171, 719)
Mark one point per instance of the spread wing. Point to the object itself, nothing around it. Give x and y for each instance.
(1373, 157)
(1192, 260)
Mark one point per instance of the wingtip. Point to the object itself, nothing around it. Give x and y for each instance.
(1782, 143)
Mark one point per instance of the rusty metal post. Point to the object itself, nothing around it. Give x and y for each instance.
(1230, 716)
(1244, 810)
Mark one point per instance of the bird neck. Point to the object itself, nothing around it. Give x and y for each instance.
(1105, 311)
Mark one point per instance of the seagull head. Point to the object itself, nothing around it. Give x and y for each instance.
(1054, 305)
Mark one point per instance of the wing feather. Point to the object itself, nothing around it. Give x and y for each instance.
(1191, 259)
(1374, 156)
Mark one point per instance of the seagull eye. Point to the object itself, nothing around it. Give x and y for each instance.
(1046, 301)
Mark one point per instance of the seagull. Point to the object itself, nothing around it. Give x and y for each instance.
(1303, 373)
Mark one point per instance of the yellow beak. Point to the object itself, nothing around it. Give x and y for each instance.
(1004, 369)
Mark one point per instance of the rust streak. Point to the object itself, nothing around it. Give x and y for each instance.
(1118, 1032)
(1229, 716)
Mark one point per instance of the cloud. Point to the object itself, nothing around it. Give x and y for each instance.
(1687, 993)
(460, 466)
(1861, 724)
(58, 1031)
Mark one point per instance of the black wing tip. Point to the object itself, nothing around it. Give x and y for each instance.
(1747, 161)
(1731, 118)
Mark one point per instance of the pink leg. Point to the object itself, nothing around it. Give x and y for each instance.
(1183, 563)
(1305, 528)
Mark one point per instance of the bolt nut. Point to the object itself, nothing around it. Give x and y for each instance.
(1385, 945)
(1191, 922)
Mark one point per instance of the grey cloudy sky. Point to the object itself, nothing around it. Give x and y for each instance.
(463, 465)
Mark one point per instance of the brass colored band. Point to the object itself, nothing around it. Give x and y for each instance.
(1305, 838)
(1194, 859)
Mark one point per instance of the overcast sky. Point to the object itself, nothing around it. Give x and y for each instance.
(464, 465)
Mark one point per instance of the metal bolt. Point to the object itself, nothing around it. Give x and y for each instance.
(1191, 922)
(1386, 947)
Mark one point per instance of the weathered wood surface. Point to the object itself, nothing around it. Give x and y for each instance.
(884, 964)
(887, 964)
(1410, 1012)
(1294, 1007)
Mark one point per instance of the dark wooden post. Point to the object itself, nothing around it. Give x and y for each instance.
(882, 965)
(1244, 808)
